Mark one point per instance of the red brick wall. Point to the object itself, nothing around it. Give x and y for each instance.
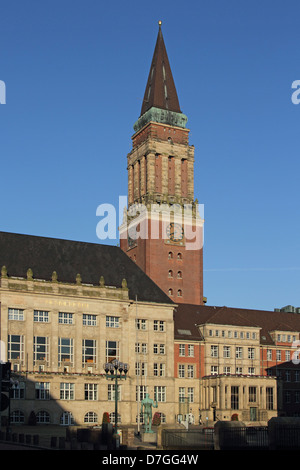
(152, 256)
(161, 132)
(197, 360)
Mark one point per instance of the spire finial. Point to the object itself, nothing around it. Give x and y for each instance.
(159, 24)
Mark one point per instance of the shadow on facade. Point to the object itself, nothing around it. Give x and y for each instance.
(288, 388)
(32, 404)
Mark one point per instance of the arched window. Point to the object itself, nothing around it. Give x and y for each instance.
(43, 417)
(112, 418)
(179, 293)
(170, 273)
(17, 417)
(179, 255)
(91, 417)
(170, 255)
(163, 418)
(66, 419)
(170, 291)
(179, 275)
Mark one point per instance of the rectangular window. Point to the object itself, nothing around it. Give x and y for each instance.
(158, 348)
(18, 390)
(226, 351)
(182, 350)
(40, 349)
(160, 393)
(89, 351)
(159, 325)
(269, 354)
(181, 394)
(65, 350)
(16, 348)
(41, 316)
(15, 314)
(234, 398)
(112, 350)
(214, 351)
(112, 322)
(270, 398)
(191, 350)
(67, 391)
(158, 369)
(90, 391)
(191, 394)
(181, 371)
(111, 392)
(251, 353)
(141, 348)
(239, 352)
(65, 318)
(141, 368)
(140, 324)
(278, 355)
(142, 390)
(42, 391)
(252, 394)
(190, 371)
(89, 320)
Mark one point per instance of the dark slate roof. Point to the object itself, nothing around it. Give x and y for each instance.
(68, 258)
(160, 79)
(188, 316)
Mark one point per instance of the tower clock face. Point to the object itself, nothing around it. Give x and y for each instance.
(175, 232)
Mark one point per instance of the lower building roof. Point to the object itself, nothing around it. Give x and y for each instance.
(68, 258)
(189, 317)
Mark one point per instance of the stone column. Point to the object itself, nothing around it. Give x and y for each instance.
(178, 177)
(143, 176)
(130, 184)
(222, 397)
(136, 179)
(164, 175)
(190, 177)
(151, 173)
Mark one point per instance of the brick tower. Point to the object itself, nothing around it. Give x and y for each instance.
(162, 229)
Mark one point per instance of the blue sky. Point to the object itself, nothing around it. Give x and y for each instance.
(75, 74)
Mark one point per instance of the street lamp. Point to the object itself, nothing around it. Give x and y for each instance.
(116, 370)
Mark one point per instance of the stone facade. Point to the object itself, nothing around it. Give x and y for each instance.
(59, 336)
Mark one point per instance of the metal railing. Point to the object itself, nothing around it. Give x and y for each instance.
(244, 438)
(187, 439)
